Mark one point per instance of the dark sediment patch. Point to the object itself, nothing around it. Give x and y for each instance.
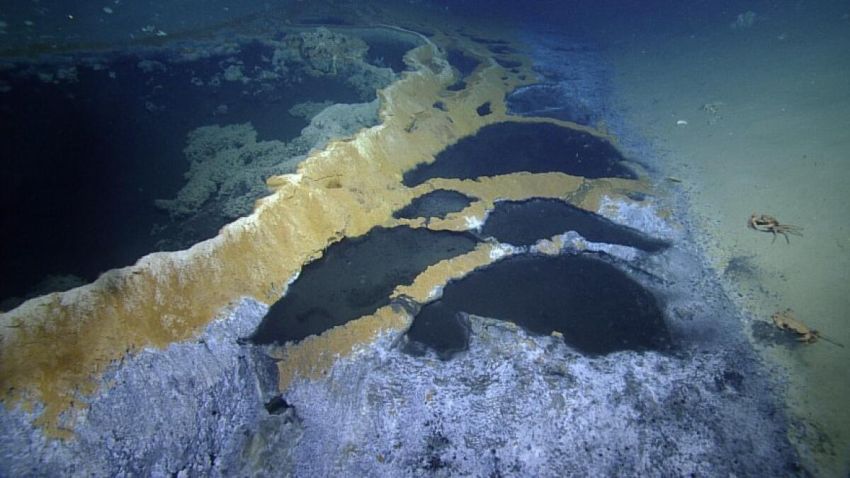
(598, 308)
(500, 49)
(388, 49)
(742, 267)
(439, 328)
(355, 278)
(522, 223)
(509, 147)
(550, 101)
(506, 63)
(765, 333)
(487, 41)
(457, 86)
(277, 406)
(465, 64)
(334, 21)
(439, 203)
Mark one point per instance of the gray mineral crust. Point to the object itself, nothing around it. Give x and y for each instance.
(512, 404)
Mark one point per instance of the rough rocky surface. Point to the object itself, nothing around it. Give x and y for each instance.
(325, 53)
(193, 409)
(512, 404)
(516, 405)
(520, 405)
(229, 165)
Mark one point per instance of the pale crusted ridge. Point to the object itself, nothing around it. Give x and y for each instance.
(54, 348)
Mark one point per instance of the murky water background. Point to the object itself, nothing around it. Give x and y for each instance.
(736, 108)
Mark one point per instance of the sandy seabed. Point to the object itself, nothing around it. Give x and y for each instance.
(755, 120)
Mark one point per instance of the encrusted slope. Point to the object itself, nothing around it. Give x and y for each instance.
(55, 347)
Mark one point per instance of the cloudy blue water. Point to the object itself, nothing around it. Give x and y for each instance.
(728, 107)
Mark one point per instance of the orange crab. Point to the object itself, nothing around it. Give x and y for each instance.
(765, 223)
(786, 320)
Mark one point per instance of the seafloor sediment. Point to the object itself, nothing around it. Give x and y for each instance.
(143, 372)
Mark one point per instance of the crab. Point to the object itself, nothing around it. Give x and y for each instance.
(765, 223)
(785, 320)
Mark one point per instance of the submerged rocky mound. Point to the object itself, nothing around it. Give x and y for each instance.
(147, 371)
